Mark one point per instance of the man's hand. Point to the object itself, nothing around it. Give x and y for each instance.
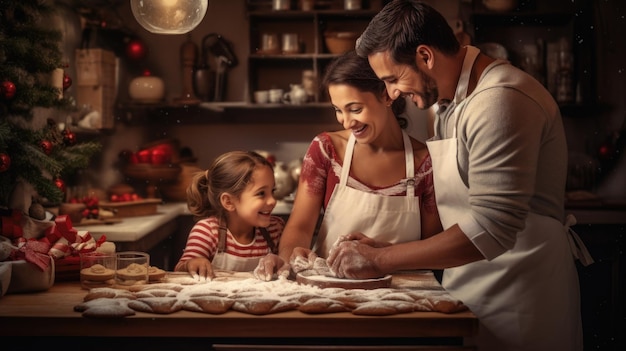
(353, 259)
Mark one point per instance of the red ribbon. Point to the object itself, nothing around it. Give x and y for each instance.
(35, 252)
(62, 229)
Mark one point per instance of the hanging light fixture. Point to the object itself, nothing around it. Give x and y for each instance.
(169, 16)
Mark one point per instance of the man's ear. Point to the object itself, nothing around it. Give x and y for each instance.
(424, 57)
(227, 202)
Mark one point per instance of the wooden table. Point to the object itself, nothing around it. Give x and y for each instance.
(50, 314)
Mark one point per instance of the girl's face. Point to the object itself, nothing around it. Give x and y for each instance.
(257, 201)
(362, 112)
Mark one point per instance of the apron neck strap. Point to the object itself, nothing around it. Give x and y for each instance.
(463, 84)
(408, 158)
(221, 239)
(268, 239)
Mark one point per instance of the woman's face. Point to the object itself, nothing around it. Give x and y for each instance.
(256, 202)
(364, 113)
(405, 81)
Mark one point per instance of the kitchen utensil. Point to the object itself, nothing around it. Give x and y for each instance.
(352, 4)
(280, 5)
(322, 281)
(269, 44)
(340, 42)
(276, 95)
(296, 96)
(291, 43)
(261, 96)
(224, 58)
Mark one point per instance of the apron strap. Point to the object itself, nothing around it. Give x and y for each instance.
(221, 239)
(409, 161)
(577, 246)
(347, 160)
(408, 158)
(268, 239)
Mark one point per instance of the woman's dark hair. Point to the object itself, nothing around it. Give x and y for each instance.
(403, 25)
(355, 71)
(229, 173)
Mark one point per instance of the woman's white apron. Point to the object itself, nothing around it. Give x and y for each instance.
(225, 261)
(394, 219)
(528, 297)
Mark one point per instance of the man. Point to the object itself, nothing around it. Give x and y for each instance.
(499, 161)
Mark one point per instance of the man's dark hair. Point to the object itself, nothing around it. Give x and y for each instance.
(401, 26)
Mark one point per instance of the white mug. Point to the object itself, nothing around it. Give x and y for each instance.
(276, 95)
(261, 96)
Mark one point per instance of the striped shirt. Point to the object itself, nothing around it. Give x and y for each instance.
(204, 236)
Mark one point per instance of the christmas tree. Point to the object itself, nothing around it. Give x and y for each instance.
(34, 150)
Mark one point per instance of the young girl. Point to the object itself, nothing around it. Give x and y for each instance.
(234, 199)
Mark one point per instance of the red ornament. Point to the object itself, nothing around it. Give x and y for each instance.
(8, 89)
(136, 50)
(46, 146)
(59, 183)
(67, 82)
(69, 137)
(5, 162)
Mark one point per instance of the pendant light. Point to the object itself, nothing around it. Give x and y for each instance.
(169, 16)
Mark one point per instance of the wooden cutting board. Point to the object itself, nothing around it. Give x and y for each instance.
(323, 282)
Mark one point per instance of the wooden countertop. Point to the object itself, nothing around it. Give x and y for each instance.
(51, 313)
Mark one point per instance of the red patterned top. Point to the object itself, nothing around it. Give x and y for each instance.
(321, 168)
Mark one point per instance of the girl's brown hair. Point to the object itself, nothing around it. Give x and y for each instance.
(229, 173)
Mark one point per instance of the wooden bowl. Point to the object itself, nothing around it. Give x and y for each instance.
(340, 42)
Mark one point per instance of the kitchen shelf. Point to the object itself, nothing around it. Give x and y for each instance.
(544, 24)
(226, 113)
(268, 71)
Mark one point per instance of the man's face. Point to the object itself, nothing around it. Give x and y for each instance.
(405, 80)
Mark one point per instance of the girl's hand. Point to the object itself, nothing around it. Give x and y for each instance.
(269, 264)
(200, 268)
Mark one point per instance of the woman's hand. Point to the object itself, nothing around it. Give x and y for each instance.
(269, 264)
(200, 268)
(302, 259)
(354, 259)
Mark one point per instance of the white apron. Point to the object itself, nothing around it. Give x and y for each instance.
(393, 219)
(528, 297)
(227, 262)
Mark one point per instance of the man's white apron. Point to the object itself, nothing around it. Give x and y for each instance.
(528, 297)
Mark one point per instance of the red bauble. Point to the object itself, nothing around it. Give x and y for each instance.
(5, 162)
(67, 82)
(59, 183)
(136, 50)
(46, 146)
(8, 89)
(69, 137)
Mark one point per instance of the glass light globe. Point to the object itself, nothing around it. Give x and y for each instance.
(169, 16)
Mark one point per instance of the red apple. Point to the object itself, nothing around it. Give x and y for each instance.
(144, 156)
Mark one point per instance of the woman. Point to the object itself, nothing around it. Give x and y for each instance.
(370, 177)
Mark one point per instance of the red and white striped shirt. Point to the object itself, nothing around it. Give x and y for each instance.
(204, 236)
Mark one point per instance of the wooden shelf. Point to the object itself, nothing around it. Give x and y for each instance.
(227, 113)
